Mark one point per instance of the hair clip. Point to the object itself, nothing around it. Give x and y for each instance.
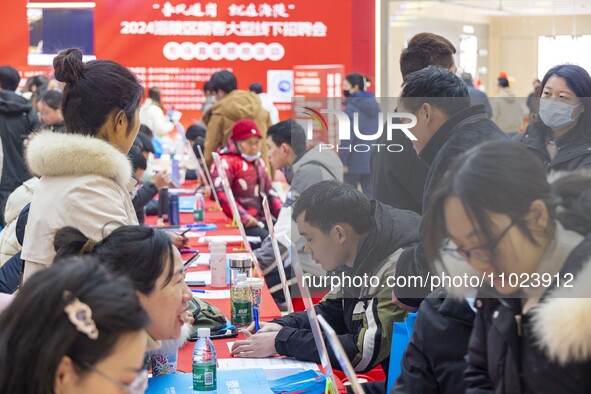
(88, 246)
(80, 315)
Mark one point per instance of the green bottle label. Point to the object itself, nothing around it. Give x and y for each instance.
(204, 377)
(241, 312)
(198, 215)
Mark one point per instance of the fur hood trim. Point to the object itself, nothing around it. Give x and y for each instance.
(562, 321)
(59, 154)
(173, 345)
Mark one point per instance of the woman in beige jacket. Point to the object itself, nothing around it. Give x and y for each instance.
(85, 175)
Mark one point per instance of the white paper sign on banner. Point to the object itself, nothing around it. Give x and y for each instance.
(280, 85)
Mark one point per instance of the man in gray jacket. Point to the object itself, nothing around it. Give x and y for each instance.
(286, 142)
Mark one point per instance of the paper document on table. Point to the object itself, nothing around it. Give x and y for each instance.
(204, 276)
(194, 234)
(214, 295)
(229, 239)
(264, 363)
(202, 259)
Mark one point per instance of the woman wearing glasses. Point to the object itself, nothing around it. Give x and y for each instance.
(496, 211)
(73, 328)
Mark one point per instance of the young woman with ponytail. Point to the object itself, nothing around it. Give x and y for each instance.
(85, 174)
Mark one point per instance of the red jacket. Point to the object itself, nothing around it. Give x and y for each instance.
(249, 182)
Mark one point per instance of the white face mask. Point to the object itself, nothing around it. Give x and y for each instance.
(251, 157)
(556, 114)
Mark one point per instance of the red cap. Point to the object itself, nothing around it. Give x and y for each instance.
(244, 129)
(503, 74)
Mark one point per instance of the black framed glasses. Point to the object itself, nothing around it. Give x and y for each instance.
(482, 252)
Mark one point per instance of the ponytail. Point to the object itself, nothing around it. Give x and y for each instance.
(69, 241)
(141, 253)
(573, 210)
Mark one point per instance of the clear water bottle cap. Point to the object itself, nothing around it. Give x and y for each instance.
(203, 332)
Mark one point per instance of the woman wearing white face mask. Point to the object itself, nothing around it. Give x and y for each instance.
(561, 135)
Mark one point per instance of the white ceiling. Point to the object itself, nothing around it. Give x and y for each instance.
(507, 7)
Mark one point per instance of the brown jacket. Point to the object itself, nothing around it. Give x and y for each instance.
(220, 118)
(85, 183)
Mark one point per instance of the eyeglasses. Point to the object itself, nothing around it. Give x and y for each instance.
(482, 252)
(138, 386)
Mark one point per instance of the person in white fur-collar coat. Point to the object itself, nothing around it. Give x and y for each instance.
(529, 242)
(86, 178)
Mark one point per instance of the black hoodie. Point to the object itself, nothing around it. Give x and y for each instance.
(17, 120)
(362, 317)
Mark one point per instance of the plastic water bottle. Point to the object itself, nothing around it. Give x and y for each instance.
(179, 147)
(217, 264)
(199, 210)
(204, 364)
(241, 306)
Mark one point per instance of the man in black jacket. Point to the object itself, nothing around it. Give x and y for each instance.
(447, 126)
(352, 237)
(398, 178)
(17, 120)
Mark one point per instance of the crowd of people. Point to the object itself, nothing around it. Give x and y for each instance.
(90, 294)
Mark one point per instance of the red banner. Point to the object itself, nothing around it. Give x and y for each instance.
(177, 44)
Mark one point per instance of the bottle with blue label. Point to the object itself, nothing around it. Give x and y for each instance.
(204, 364)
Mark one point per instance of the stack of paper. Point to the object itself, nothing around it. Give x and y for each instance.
(247, 381)
(265, 363)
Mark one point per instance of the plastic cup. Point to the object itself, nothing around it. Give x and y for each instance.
(163, 364)
(256, 291)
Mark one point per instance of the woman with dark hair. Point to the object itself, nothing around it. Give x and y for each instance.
(153, 114)
(560, 135)
(529, 242)
(209, 98)
(49, 108)
(357, 101)
(147, 257)
(85, 175)
(73, 328)
(35, 87)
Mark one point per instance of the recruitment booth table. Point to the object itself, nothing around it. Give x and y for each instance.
(268, 308)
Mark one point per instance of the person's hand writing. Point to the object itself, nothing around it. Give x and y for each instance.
(178, 240)
(263, 327)
(259, 345)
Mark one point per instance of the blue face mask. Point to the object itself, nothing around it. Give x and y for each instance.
(251, 157)
(556, 114)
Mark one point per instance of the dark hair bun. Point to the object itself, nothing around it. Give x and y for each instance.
(68, 65)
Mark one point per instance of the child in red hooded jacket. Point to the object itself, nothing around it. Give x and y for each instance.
(248, 178)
